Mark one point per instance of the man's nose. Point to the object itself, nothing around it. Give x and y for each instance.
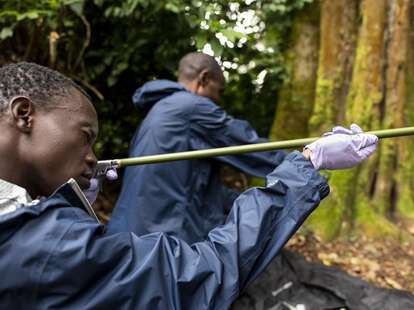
(91, 159)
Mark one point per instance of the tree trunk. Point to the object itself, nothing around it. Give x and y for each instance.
(365, 75)
(295, 101)
(338, 29)
(405, 203)
(392, 150)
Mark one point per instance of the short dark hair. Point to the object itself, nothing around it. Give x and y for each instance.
(34, 81)
(193, 63)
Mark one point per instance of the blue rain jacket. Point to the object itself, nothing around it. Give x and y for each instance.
(54, 255)
(186, 198)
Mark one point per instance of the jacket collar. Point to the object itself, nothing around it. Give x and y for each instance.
(12, 197)
(67, 195)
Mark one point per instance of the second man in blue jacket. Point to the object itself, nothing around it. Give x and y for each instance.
(185, 199)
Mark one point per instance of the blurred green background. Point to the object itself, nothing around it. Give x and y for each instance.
(112, 47)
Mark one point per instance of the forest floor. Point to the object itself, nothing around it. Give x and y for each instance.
(386, 263)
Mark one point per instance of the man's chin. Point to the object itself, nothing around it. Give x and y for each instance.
(83, 182)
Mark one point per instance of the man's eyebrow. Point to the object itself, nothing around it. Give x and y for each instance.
(90, 126)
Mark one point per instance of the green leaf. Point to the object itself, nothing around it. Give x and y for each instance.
(200, 40)
(119, 68)
(111, 81)
(232, 34)
(6, 33)
(172, 7)
(216, 46)
(77, 7)
(32, 14)
(99, 3)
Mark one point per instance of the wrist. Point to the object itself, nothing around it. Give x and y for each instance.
(306, 153)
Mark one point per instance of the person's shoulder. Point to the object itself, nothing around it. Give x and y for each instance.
(65, 206)
(59, 213)
(183, 101)
(48, 218)
(188, 103)
(205, 105)
(184, 96)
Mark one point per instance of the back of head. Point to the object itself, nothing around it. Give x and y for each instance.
(37, 83)
(201, 74)
(192, 64)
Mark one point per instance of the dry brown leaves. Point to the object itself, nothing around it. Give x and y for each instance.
(387, 263)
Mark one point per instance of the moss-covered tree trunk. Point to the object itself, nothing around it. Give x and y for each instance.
(405, 204)
(385, 184)
(364, 75)
(338, 28)
(295, 101)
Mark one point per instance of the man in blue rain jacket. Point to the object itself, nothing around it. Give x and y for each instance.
(187, 198)
(54, 255)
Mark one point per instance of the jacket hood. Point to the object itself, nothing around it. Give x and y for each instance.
(150, 93)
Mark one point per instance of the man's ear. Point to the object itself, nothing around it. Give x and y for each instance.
(22, 110)
(203, 78)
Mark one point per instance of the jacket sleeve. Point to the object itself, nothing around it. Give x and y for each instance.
(89, 269)
(212, 127)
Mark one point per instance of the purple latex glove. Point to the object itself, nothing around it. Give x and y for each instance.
(342, 148)
(92, 192)
(353, 129)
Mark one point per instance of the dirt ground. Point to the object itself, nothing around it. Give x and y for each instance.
(386, 263)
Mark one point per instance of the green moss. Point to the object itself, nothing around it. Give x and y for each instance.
(409, 111)
(361, 198)
(326, 220)
(336, 211)
(405, 204)
(372, 224)
(294, 110)
(363, 92)
(322, 112)
(256, 182)
(295, 100)
(327, 102)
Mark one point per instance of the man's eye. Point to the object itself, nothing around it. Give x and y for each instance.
(87, 137)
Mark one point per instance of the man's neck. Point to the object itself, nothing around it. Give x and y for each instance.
(11, 167)
(190, 86)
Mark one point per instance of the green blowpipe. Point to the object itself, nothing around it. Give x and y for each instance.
(233, 150)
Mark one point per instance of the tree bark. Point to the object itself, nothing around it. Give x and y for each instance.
(365, 75)
(393, 150)
(295, 100)
(338, 30)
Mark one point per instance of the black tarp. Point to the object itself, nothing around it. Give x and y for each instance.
(292, 283)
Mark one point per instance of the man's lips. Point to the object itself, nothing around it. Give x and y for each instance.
(85, 181)
(88, 175)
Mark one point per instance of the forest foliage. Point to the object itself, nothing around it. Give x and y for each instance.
(112, 47)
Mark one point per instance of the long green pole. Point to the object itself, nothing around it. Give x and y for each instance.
(232, 150)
